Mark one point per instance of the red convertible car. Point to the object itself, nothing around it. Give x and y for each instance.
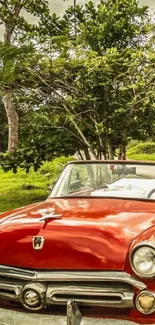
(89, 247)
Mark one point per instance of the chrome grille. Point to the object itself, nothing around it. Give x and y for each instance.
(107, 289)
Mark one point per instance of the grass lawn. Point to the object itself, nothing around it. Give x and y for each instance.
(141, 156)
(141, 150)
(21, 189)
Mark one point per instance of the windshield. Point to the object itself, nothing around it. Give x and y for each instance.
(102, 179)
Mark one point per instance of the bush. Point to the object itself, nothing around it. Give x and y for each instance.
(144, 157)
(55, 167)
(132, 144)
(142, 148)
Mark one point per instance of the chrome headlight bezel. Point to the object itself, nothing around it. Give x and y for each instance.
(135, 249)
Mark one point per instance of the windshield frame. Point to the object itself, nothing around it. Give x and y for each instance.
(68, 167)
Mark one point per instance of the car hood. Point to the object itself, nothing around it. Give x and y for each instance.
(92, 234)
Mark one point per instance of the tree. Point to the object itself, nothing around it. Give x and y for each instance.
(107, 101)
(99, 80)
(86, 92)
(120, 23)
(15, 24)
(118, 32)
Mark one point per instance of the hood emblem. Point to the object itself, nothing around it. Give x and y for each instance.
(50, 214)
(38, 242)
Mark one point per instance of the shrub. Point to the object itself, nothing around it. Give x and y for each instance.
(142, 148)
(55, 167)
(144, 157)
(132, 144)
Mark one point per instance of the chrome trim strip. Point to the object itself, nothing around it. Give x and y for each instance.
(10, 291)
(103, 276)
(71, 276)
(90, 296)
(17, 273)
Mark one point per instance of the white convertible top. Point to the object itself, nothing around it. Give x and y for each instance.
(127, 187)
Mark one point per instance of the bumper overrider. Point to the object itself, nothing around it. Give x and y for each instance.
(37, 291)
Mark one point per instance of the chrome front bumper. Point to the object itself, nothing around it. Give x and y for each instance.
(100, 288)
(67, 288)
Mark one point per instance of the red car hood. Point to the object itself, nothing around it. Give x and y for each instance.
(93, 233)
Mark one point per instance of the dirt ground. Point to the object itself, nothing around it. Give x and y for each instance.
(18, 318)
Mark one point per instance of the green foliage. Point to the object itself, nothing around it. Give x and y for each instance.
(28, 158)
(144, 157)
(55, 167)
(24, 158)
(94, 92)
(22, 57)
(132, 144)
(111, 90)
(118, 24)
(23, 43)
(10, 11)
(142, 148)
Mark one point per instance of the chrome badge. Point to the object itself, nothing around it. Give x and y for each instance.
(49, 214)
(38, 242)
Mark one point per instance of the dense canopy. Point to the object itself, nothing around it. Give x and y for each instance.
(82, 83)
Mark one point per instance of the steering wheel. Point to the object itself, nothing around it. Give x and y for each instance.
(150, 193)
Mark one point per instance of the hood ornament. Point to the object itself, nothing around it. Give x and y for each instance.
(50, 215)
(38, 242)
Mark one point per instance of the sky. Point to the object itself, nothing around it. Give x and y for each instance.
(59, 6)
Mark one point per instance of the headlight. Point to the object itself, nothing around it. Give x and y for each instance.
(142, 259)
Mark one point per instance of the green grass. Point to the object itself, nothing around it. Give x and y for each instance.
(21, 189)
(141, 150)
(141, 156)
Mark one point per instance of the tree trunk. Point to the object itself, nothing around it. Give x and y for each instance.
(111, 151)
(79, 153)
(122, 152)
(8, 96)
(105, 155)
(87, 153)
(12, 122)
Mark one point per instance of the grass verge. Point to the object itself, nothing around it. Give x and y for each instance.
(145, 157)
(21, 189)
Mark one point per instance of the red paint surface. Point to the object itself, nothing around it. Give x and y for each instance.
(93, 234)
